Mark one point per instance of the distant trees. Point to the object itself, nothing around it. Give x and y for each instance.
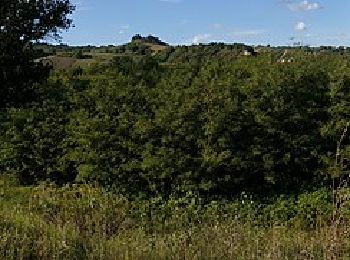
(148, 39)
(21, 24)
(80, 55)
(138, 69)
(137, 37)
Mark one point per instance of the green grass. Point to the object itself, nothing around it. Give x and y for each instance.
(83, 222)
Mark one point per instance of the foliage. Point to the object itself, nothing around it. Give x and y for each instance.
(212, 127)
(82, 221)
(21, 24)
(34, 134)
(148, 39)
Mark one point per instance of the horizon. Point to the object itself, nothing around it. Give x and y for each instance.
(193, 44)
(185, 22)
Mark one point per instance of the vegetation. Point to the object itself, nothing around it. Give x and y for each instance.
(21, 24)
(153, 151)
(149, 39)
(85, 222)
(213, 127)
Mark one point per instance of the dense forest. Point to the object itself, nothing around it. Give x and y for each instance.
(207, 119)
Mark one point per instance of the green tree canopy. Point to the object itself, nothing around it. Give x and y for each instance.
(23, 22)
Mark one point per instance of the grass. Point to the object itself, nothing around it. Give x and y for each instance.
(65, 61)
(83, 222)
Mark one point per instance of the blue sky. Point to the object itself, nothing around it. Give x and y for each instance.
(275, 22)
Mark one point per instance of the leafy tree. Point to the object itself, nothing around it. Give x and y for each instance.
(21, 24)
(30, 128)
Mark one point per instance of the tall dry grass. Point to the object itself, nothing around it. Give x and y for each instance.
(83, 222)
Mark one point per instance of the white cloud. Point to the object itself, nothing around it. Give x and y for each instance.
(303, 6)
(201, 38)
(300, 27)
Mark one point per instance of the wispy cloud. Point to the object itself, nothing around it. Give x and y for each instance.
(303, 6)
(300, 27)
(201, 38)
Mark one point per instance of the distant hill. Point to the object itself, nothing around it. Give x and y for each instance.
(65, 57)
(148, 39)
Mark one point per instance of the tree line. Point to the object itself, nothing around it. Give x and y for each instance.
(201, 124)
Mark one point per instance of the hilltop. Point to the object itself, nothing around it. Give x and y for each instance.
(67, 57)
(148, 39)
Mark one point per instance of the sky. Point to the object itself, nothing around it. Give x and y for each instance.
(255, 22)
